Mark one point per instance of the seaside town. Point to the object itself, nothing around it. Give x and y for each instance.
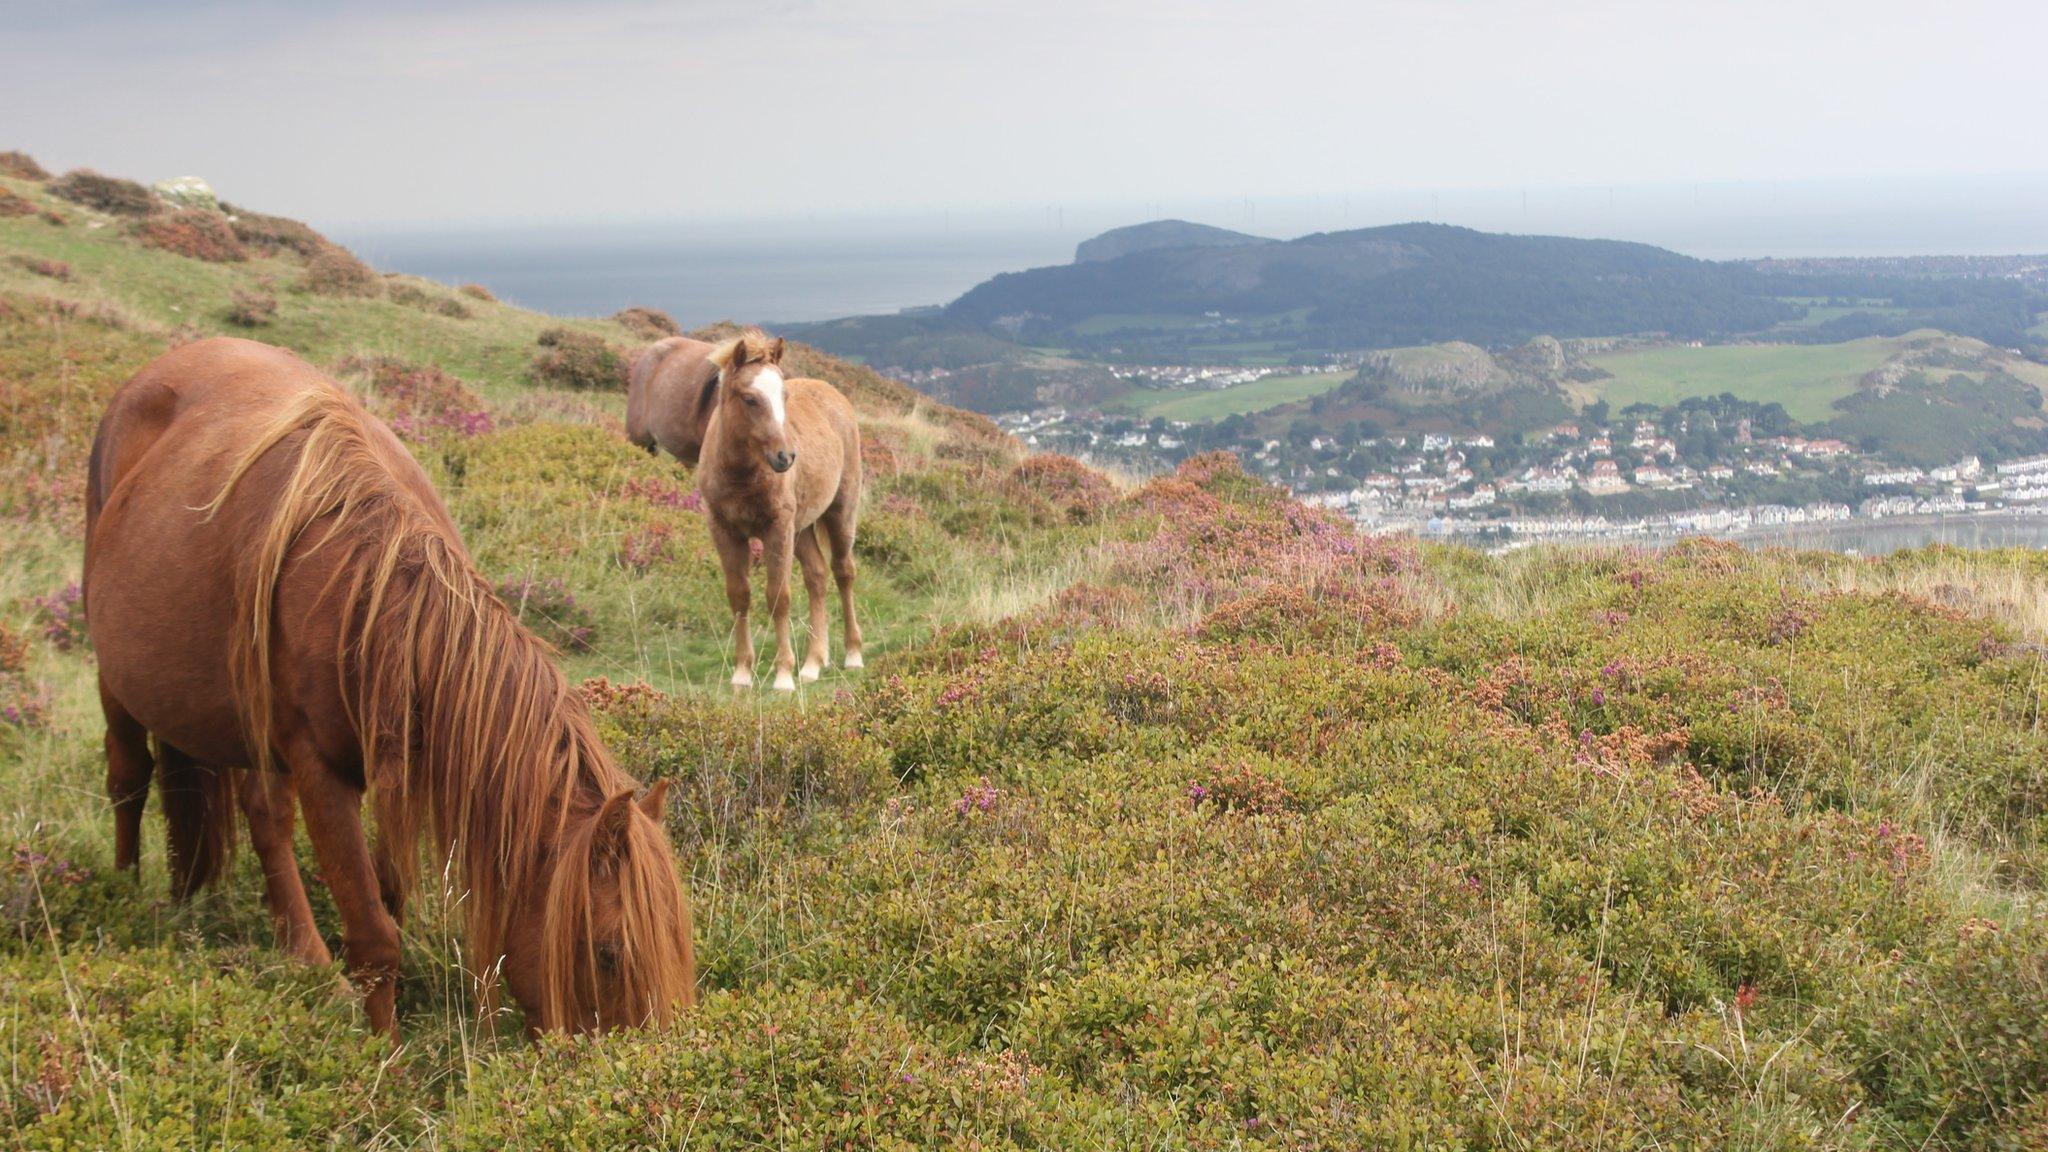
(1631, 478)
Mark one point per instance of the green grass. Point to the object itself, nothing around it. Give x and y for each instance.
(1197, 405)
(1806, 378)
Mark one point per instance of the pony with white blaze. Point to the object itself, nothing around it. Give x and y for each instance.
(780, 463)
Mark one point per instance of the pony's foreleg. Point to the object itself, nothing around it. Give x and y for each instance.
(129, 769)
(776, 547)
(369, 936)
(734, 558)
(271, 807)
(818, 653)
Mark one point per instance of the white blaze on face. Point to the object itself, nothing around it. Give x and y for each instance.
(768, 382)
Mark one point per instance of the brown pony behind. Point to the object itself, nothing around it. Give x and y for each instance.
(671, 386)
(469, 735)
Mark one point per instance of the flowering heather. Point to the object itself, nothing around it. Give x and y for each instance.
(46, 868)
(982, 797)
(63, 616)
(648, 545)
(664, 493)
(1243, 790)
(548, 608)
(201, 235)
(600, 694)
(1079, 492)
(24, 704)
(421, 403)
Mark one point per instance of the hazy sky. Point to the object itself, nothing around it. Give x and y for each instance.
(393, 112)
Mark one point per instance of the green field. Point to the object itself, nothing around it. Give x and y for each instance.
(1806, 378)
(1244, 399)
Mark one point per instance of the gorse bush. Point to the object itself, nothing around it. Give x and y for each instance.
(413, 296)
(199, 234)
(274, 235)
(647, 323)
(21, 166)
(251, 309)
(53, 269)
(579, 360)
(15, 204)
(109, 194)
(336, 272)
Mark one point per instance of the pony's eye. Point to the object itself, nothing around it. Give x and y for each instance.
(752, 401)
(608, 959)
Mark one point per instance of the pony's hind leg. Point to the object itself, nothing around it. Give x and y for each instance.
(776, 546)
(837, 527)
(270, 804)
(818, 653)
(735, 559)
(129, 768)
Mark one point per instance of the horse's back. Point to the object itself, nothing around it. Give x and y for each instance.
(160, 558)
(663, 386)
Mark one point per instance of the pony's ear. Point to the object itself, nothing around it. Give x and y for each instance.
(654, 800)
(726, 356)
(608, 837)
(775, 351)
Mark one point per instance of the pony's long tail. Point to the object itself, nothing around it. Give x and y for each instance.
(199, 818)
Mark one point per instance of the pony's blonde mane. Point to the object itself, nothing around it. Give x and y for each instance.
(464, 720)
(749, 346)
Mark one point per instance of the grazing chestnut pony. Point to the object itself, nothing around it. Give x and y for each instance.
(781, 464)
(282, 607)
(670, 390)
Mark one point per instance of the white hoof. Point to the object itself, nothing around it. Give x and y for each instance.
(784, 682)
(808, 674)
(853, 660)
(742, 679)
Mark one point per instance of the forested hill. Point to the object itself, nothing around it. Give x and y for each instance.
(1397, 285)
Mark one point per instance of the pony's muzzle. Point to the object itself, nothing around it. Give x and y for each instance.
(781, 461)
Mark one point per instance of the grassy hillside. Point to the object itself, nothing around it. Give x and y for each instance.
(1177, 818)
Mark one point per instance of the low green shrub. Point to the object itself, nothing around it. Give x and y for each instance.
(109, 194)
(413, 296)
(336, 272)
(647, 323)
(234, 1050)
(251, 309)
(274, 235)
(579, 360)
